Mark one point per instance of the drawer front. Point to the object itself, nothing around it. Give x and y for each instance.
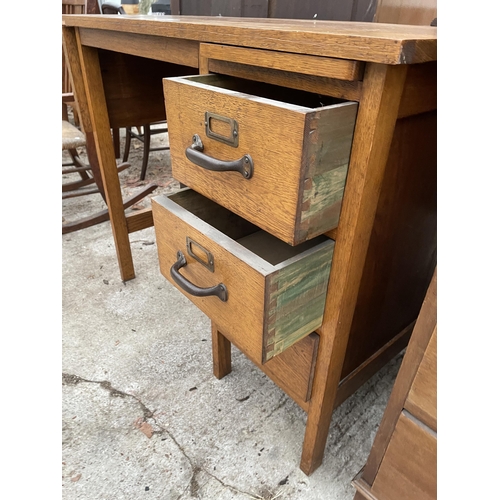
(409, 467)
(298, 153)
(422, 398)
(265, 305)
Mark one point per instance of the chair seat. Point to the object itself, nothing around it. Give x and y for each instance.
(72, 138)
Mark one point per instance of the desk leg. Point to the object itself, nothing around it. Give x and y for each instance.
(86, 74)
(221, 353)
(377, 115)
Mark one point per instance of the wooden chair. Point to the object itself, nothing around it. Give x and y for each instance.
(109, 8)
(145, 138)
(69, 7)
(79, 7)
(73, 138)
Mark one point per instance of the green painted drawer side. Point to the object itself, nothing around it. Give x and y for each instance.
(295, 300)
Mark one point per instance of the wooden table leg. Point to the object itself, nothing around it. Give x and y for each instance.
(83, 62)
(221, 353)
(377, 115)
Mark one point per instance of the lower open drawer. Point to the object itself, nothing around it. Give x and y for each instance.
(268, 294)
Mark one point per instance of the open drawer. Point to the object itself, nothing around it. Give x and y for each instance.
(266, 293)
(277, 157)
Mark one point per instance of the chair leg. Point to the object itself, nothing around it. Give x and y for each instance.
(75, 158)
(73, 186)
(103, 215)
(65, 112)
(116, 142)
(128, 138)
(147, 144)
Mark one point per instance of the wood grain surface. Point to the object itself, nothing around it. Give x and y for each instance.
(380, 43)
(292, 370)
(422, 398)
(308, 65)
(424, 327)
(342, 89)
(100, 127)
(409, 467)
(159, 48)
(133, 101)
(270, 305)
(378, 107)
(296, 189)
(403, 243)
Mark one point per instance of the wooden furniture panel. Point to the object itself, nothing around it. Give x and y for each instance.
(403, 459)
(292, 370)
(269, 296)
(174, 50)
(378, 43)
(420, 92)
(402, 244)
(296, 63)
(408, 469)
(130, 99)
(342, 89)
(422, 398)
(298, 145)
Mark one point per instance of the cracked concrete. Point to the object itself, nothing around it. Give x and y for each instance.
(143, 416)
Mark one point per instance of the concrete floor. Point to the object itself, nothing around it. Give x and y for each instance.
(143, 416)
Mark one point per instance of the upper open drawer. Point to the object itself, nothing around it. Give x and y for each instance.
(277, 157)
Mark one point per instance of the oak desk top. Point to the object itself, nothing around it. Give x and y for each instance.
(370, 42)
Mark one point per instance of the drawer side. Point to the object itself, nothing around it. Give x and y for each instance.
(328, 138)
(295, 300)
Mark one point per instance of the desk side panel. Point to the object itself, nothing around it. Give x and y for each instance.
(174, 50)
(403, 243)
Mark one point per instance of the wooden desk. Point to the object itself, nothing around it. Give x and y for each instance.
(385, 249)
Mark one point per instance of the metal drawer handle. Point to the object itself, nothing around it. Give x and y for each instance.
(195, 154)
(219, 290)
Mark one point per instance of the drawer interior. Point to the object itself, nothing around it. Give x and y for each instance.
(273, 250)
(259, 242)
(266, 90)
